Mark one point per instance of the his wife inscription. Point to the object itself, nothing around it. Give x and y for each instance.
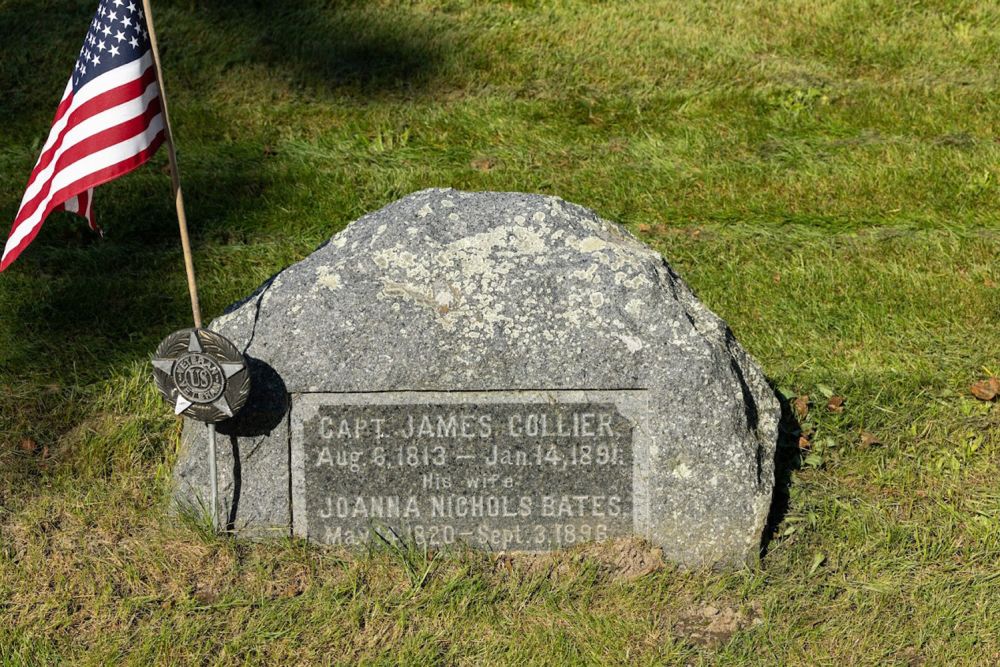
(507, 474)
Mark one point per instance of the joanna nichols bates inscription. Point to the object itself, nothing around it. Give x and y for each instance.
(528, 471)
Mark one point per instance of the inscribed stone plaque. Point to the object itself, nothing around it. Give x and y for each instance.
(526, 471)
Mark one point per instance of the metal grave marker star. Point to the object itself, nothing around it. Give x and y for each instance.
(201, 374)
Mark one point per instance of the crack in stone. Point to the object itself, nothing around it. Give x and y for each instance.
(256, 316)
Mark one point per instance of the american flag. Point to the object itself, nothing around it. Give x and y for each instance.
(108, 122)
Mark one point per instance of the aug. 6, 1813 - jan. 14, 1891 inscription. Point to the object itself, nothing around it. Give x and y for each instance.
(529, 471)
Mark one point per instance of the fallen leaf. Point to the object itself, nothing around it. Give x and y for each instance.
(986, 390)
(482, 164)
(644, 228)
(776, 278)
(835, 404)
(28, 445)
(804, 442)
(712, 627)
(813, 461)
(869, 440)
(206, 594)
(816, 562)
(801, 406)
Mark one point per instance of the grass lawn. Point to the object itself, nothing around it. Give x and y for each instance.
(824, 174)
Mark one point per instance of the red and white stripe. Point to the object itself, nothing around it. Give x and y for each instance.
(107, 128)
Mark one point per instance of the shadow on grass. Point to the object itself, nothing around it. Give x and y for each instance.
(77, 308)
(80, 303)
(786, 461)
(344, 46)
(97, 295)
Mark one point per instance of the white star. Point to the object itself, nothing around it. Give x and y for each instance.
(96, 60)
(106, 31)
(126, 21)
(134, 43)
(118, 3)
(131, 7)
(120, 36)
(140, 14)
(114, 50)
(101, 46)
(112, 16)
(83, 70)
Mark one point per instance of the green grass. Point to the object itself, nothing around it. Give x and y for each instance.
(825, 175)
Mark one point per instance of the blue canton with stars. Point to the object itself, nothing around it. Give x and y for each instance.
(117, 35)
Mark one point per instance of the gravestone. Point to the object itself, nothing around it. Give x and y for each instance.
(501, 370)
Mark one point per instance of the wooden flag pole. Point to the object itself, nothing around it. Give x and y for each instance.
(175, 175)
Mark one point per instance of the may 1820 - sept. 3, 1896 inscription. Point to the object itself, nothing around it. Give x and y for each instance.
(526, 471)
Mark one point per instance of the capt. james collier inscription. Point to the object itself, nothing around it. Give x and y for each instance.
(529, 471)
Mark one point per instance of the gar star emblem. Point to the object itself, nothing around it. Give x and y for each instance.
(201, 374)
